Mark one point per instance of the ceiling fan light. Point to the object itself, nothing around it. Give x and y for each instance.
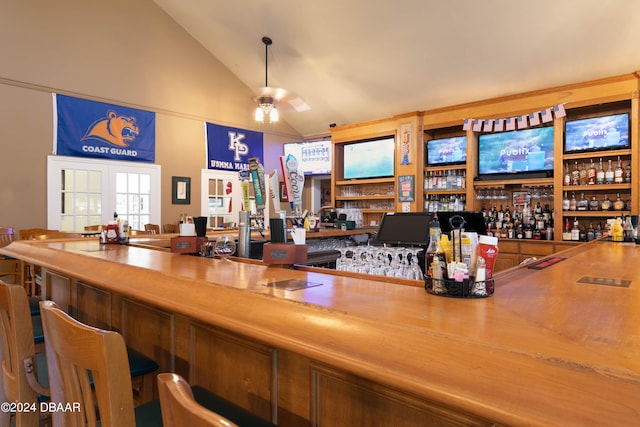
(259, 114)
(273, 115)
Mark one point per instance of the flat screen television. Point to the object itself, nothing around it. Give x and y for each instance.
(447, 151)
(523, 152)
(369, 159)
(404, 228)
(314, 157)
(597, 133)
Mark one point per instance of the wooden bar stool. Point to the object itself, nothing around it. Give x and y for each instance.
(10, 268)
(24, 372)
(179, 408)
(105, 396)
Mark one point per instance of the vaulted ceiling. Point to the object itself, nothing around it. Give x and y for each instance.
(356, 60)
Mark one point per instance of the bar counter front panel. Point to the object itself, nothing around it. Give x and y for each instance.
(546, 349)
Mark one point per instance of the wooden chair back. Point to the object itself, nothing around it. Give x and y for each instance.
(10, 267)
(140, 233)
(179, 407)
(16, 333)
(74, 349)
(170, 228)
(29, 233)
(7, 235)
(57, 235)
(154, 228)
(98, 227)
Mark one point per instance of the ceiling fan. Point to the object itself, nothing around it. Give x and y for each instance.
(270, 96)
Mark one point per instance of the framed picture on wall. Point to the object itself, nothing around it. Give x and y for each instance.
(180, 190)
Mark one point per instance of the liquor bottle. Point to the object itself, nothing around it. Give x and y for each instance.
(582, 204)
(565, 202)
(567, 175)
(573, 205)
(501, 214)
(605, 205)
(575, 174)
(507, 215)
(566, 233)
(609, 174)
(618, 173)
(591, 232)
(594, 205)
(583, 233)
(600, 173)
(599, 233)
(591, 173)
(434, 250)
(583, 175)
(627, 172)
(575, 231)
(618, 205)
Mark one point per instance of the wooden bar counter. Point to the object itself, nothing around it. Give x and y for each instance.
(545, 350)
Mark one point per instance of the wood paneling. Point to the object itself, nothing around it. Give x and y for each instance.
(93, 306)
(149, 331)
(230, 366)
(341, 399)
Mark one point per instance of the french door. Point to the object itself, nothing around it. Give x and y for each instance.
(221, 197)
(88, 191)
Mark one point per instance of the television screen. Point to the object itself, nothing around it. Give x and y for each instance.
(369, 159)
(404, 228)
(314, 158)
(447, 151)
(597, 133)
(519, 151)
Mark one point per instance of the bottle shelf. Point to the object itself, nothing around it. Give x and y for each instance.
(462, 191)
(597, 187)
(527, 182)
(596, 154)
(595, 214)
(445, 168)
(366, 181)
(367, 197)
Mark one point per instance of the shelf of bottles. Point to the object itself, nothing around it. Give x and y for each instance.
(596, 189)
(521, 212)
(445, 188)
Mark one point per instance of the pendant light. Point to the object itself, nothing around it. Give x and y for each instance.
(266, 110)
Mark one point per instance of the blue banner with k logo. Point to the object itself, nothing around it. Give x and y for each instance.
(230, 148)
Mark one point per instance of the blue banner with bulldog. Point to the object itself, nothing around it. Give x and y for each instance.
(230, 148)
(86, 128)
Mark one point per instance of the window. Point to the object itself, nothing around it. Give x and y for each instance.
(88, 191)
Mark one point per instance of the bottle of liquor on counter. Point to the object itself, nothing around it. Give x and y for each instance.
(575, 174)
(618, 204)
(609, 174)
(600, 173)
(583, 175)
(599, 232)
(573, 205)
(591, 173)
(618, 173)
(434, 251)
(594, 205)
(567, 175)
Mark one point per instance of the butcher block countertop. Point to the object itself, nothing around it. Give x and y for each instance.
(553, 346)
